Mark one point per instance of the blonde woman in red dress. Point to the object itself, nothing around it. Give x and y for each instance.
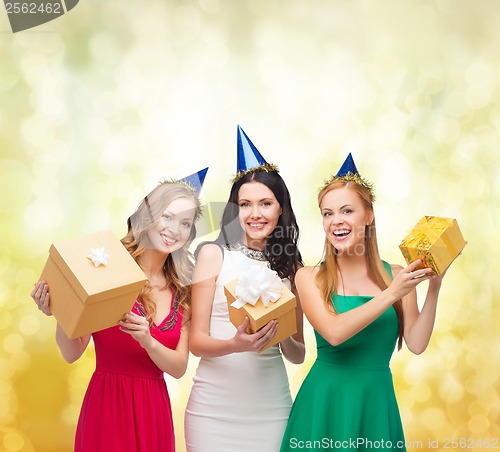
(127, 406)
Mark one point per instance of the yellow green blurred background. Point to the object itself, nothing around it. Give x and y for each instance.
(99, 105)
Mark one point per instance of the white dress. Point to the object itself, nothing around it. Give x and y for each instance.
(239, 402)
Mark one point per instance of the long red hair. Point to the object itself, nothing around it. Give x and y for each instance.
(327, 278)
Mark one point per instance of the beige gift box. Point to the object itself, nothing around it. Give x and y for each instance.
(282, 310)
(85, 298)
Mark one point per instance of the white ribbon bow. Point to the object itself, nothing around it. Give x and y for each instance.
(257, 282)
(98, 256)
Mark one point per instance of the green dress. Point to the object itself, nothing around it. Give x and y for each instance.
(347, 400)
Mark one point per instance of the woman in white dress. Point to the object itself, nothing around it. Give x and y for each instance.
(240, 399)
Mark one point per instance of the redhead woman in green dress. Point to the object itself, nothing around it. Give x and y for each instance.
(359, 307)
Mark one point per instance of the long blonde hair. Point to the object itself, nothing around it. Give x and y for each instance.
(327, 277)
(178, 266)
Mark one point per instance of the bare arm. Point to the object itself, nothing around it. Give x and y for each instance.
(293, 347)
(206, 272)
(419, 325)
(71, 349)
(337, 328)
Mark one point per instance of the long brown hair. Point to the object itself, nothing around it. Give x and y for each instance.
(327, 277)
(178, 266)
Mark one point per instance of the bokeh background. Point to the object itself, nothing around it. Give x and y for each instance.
(99, 105)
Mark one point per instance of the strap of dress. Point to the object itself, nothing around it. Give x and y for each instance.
(388, 268)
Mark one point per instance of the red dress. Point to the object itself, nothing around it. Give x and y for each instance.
(126, 406)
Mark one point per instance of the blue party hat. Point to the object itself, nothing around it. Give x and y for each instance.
(249, 159)
(347, 167)
(349, 172)
(248, 155)
(195, 180)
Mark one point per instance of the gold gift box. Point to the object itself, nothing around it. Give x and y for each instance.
(434, 240)
(85, 298)
(282, 310)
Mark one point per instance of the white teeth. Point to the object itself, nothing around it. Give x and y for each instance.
(341, 232)
(169, 240)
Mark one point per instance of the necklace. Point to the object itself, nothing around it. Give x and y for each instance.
(172, 317)
(256, 255)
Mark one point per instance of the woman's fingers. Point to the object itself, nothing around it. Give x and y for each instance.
(243, 327)
(45, 305)
(133, 322)
(255, 341)
(413, 265)
(45, 291)
(421, 273)
(413, 272)
(41, 295)
(268, 335)
(37, 291)
(265, 329)
(409, 278)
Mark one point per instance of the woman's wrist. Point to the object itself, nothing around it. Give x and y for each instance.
(435, 283)
(149, 344)
(389, 297)
(231, 346)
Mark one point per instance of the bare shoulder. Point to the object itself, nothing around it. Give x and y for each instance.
(309, 291)
(209, 252)
(208, 263)
(306, 274)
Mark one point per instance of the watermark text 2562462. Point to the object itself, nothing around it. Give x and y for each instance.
(28, 14)
(33, 8)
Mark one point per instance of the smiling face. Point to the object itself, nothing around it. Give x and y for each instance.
(259, 212)
(173, 228)
(345, 218)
